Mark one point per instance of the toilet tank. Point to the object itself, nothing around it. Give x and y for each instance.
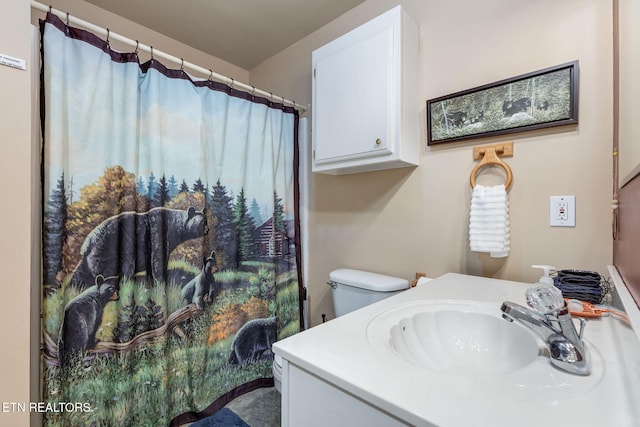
(354, 289)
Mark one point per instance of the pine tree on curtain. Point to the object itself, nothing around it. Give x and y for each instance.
(169, 243)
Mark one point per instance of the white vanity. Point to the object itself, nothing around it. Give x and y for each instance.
(347, 372)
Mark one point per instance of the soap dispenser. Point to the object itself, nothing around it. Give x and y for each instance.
(544, 297)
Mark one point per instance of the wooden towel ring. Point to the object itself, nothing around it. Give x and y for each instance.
(491, 158)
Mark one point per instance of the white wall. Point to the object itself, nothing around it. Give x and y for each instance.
(415, 220)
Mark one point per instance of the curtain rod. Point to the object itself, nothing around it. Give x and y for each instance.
(156, 53)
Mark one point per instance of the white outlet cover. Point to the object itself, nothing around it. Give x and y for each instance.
(562, 211)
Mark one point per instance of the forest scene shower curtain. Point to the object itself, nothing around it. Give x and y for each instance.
(169, 236)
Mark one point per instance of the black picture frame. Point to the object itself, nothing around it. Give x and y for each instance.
(535, 100)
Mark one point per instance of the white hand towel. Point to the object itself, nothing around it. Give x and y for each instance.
(489, 221)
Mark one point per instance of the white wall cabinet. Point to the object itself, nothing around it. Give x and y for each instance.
(365, 109)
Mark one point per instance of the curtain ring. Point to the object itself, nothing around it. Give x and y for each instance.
(151, 52)
(67, 18)
(137, 45)
(181, 64)
(108, 35)
(210, 74)
(50, 9)
(253, 91)
(232, 83)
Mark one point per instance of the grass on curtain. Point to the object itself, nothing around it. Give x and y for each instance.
(155, 380)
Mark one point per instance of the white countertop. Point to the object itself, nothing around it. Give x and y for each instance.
(339, 352)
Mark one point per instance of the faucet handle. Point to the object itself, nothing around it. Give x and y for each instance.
(545, 299)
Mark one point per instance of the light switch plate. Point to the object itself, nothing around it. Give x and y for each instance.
(562, 211)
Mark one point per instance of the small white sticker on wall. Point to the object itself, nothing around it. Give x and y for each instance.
(10, 61)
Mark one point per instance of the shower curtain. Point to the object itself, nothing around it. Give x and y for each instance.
(170, 259)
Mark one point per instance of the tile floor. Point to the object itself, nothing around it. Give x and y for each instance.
(259, 408)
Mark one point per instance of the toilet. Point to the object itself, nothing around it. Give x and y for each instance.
(354, 289)
(351, 290)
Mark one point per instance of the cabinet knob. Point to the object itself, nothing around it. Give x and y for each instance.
(378, 141)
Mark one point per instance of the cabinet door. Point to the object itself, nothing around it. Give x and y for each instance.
(310, 401)
(353, 95)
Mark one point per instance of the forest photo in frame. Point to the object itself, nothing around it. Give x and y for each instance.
(535, 100)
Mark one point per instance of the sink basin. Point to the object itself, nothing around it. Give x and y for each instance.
(473, 348)
(457, 337)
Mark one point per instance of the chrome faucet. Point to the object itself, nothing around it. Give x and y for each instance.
(567, 350)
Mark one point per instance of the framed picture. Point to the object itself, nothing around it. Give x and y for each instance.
(536, 100)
